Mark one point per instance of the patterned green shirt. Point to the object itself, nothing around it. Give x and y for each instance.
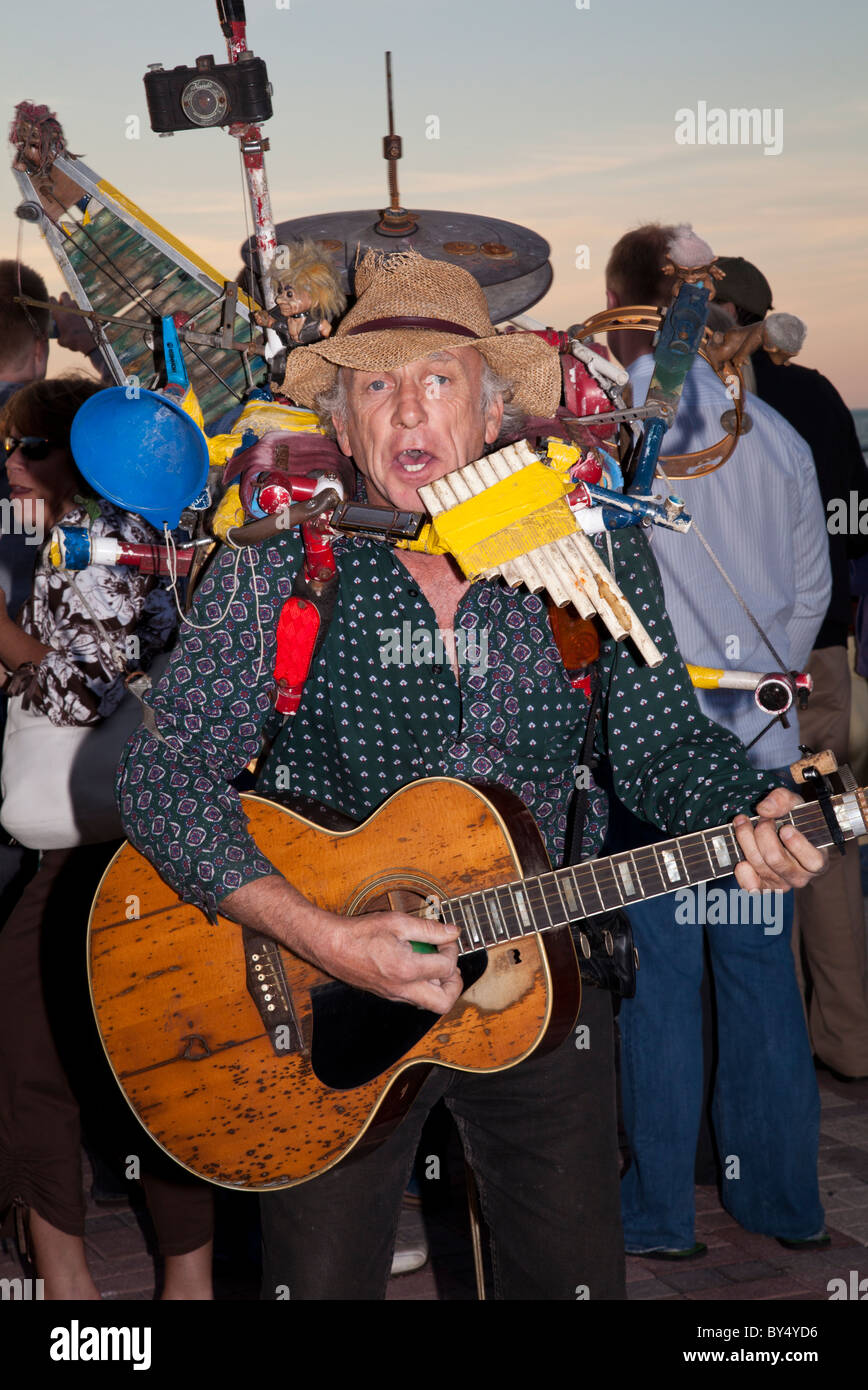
(382, 707)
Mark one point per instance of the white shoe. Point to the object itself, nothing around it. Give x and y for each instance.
(411, 1246)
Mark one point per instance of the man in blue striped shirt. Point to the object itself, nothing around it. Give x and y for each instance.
(762, 514)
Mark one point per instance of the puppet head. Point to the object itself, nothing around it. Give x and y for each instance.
(309, 278)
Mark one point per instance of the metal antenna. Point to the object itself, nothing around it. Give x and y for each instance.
(389, 92)
(395, 220)
(392, 142)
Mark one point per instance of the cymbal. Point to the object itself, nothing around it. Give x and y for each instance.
(509, 261)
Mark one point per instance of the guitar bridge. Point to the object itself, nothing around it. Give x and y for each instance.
(267, 986)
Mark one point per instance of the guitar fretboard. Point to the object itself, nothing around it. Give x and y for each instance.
(492, 916)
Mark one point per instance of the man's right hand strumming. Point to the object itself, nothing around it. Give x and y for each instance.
(372, 952)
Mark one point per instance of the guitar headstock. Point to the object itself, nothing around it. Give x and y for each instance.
(819, 777)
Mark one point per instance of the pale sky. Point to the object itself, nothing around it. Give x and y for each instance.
(553, 116)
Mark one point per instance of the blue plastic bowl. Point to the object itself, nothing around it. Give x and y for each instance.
(143, 453)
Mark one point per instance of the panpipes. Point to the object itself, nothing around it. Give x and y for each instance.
(568, 569)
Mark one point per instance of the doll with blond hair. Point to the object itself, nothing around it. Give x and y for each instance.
(307, 289)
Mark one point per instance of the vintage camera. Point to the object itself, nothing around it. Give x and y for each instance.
(209, 94)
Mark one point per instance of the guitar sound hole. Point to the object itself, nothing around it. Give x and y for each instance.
(516, 956)
(355, 1035)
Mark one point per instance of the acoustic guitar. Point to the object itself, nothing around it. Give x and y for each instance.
(255, 1070)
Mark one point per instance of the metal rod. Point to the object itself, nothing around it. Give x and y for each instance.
(146, 327)
(251, 145)
(475, 1232)
(394, 199)
(389, 92)
(55, 238)
(614, 417)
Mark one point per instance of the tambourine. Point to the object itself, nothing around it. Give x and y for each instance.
(648, 319)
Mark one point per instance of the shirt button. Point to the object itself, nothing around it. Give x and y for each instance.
(414, 593)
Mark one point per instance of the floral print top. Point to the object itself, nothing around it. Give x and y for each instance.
(80, 681)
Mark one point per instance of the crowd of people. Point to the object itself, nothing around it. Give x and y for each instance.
(412, 385)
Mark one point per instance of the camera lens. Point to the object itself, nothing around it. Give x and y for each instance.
(205, 101)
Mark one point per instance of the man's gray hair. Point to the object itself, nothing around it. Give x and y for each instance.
(493, 384)
(333, 402)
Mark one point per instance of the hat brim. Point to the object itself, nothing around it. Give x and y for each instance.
(531, 364)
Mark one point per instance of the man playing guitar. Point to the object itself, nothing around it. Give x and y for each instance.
(416, 381)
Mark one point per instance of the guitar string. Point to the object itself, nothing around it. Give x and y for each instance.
(806, 818)
(696, 856)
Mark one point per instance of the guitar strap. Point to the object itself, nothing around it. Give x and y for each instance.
(588, 759)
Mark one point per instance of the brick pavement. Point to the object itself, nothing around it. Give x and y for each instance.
(739, 1265)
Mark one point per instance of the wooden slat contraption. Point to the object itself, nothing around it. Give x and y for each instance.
(568, 569)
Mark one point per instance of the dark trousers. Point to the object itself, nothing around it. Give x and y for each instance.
(541, 1139)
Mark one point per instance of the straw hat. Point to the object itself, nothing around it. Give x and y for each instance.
(408, 306)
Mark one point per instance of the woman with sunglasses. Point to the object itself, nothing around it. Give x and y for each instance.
(73, 678)
(57, 655)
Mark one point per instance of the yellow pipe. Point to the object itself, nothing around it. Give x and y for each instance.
(704, 677)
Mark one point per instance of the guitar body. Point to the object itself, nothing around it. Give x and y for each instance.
(253, 1069)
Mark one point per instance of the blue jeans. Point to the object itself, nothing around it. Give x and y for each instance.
(766, 1108)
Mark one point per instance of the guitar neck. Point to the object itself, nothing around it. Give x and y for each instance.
(510, 911)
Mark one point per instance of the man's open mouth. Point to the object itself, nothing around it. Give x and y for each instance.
(413, 460)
